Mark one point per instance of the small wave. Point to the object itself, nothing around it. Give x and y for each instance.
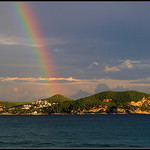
(25, 144)
(135, 146)
(85, 145)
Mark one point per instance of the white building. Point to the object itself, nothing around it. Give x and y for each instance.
(26, 106)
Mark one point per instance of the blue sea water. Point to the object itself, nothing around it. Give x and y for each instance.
(75, 131)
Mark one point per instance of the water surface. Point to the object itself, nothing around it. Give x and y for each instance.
(75, 131)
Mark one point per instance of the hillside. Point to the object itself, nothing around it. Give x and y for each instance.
(106, 102)
(117, 97)
(9, 104)
(57, 99)
(112, 102)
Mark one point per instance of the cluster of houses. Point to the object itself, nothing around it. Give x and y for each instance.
(38, 104)
(140, 103)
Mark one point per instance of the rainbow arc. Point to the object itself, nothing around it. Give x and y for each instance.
(30, 25)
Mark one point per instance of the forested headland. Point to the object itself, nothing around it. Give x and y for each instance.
(107, 102)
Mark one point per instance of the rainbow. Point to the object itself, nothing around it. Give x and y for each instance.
(29, 23)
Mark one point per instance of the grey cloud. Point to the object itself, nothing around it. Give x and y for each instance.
(80, 94)
(77, 34)
(104, 87)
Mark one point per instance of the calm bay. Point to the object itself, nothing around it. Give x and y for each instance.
(75, 131)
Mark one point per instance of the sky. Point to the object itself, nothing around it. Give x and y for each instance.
(94, 46)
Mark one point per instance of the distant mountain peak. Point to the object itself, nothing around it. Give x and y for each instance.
(80, 94)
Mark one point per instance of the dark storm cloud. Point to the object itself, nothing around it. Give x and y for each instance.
(102, 32)
(97, 31)
(83, 38)
(123, 26)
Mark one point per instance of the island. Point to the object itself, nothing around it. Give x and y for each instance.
(107, 102)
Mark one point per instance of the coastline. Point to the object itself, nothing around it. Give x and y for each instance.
(46, 114)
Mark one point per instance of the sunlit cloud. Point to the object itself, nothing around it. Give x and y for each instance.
(12, 40)
(32, 88)
(126, 64)
(112, 69)
(93, 64)
(71, 79)
(4, 79)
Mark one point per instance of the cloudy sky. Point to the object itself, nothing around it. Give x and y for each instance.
(95, 46)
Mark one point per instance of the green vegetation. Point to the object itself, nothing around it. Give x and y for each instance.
(117, 100)
(105, 102)
(118, 97)
(8, 104)
(57, 99)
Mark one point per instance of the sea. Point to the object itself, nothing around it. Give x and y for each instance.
(75, 131)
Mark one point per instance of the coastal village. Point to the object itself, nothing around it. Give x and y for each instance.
(58, 104)
(33, 108)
